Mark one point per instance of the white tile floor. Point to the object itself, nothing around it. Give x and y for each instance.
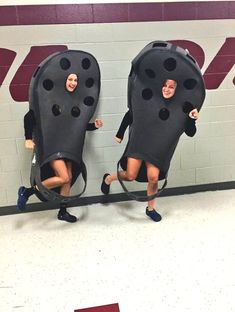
(116, 254)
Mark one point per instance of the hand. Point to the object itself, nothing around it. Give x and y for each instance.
(118, 140)
(98, 123)
(29, 144)
(194, 114)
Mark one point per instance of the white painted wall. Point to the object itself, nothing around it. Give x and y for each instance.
(206, 158)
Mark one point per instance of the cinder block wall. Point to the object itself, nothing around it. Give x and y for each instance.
(114, 35)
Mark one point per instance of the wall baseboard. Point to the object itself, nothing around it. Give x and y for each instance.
(112, 198)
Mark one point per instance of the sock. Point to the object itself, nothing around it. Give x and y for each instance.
(29, 191)
(62, 208)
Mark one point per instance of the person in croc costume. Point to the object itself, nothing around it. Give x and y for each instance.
(60, 170)
(165, 94)
(133, 165)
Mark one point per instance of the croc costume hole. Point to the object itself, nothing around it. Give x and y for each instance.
(170, 64)
(56, 110)
(89, 82)
(150, 73)
(169, 88)
(147, 94)
(190, 84)
(86, 63)
(48, 84)
(159, 45)
(89, 101)
(65, 63)
(164, 114)
(71, 82)
(75, 111)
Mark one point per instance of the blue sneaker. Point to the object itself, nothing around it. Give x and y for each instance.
(22, 199)
(153, 215)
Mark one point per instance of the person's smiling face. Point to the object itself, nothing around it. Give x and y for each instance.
(168, 89)
(71, 82)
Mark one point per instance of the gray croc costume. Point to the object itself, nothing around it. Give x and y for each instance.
(62, 116)
(158, 123)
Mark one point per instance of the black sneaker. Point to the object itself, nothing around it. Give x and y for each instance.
(153, 215)
(105, 188)
(66, 217)
(22, 199)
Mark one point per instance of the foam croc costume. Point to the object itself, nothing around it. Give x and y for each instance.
(62, 116)
(158, 123)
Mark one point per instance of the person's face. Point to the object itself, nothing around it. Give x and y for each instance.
(71, 82)
(168, 89)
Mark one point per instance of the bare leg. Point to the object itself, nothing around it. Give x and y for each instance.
(153, 174)
(133, 167)
(61, 177)
(65, 188)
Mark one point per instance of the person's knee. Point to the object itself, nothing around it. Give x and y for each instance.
(66, 179)
(153, 179)
(130, 176)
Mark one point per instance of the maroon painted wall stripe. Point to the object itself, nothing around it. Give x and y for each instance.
(8, 15)
(19, 86)
(6, 59)
(115, 12)
(106, 308)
